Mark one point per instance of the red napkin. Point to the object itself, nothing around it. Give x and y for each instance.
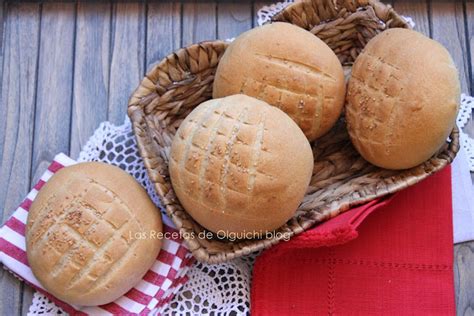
(401, 262)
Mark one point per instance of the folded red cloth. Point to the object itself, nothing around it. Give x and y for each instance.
(401, 262)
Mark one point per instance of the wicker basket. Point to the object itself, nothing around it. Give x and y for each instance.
(341, 177)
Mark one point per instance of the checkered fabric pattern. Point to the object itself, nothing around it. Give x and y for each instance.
(155, 290)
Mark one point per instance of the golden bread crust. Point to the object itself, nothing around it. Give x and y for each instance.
(287, 67)
(86, 234)
(402, 100)
(238, 164)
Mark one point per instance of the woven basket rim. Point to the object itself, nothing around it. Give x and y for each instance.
(384, 11)
(138, 113)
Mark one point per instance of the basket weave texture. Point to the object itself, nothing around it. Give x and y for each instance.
(341, 177)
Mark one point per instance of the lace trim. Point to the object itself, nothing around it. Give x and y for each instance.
(466, 111)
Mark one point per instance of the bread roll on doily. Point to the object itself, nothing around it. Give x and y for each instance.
(402, 100)
(287, 67)
(92, 233)
(239, 165)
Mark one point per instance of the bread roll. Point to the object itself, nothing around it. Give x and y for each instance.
(239, 165)
(287, 67)
(403, 98)
(90, 234)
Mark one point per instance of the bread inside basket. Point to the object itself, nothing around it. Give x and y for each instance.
(341, 178)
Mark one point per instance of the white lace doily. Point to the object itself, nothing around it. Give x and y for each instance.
(222, 289)
(267, 12)
(467, 142)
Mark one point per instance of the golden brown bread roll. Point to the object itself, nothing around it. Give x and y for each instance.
(402, 100)
(287, 67)
(89, 234)
(239, 165)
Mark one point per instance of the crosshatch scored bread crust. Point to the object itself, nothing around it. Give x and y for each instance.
(402, 100)
(287, 67)
(239, 165)
(82, 230)
(183, 79)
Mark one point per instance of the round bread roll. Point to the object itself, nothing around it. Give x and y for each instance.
(91, 234)
(287, 67)
(402, 100)
(239, 165)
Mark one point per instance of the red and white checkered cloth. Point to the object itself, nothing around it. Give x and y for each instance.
(155, 290)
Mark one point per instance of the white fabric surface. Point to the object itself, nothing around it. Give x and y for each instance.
(463, 199)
